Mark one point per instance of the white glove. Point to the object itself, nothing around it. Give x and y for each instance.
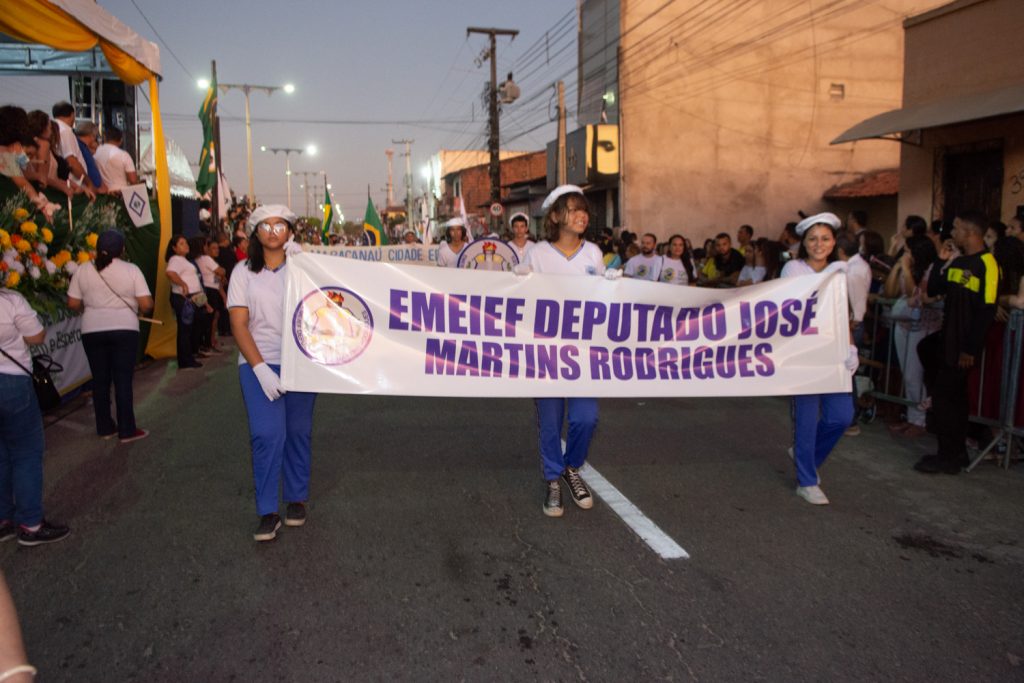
(613, 274)
(522, 269)
(291, 248)
(269, 381)
(852, 360)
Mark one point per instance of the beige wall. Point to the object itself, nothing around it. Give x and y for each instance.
(966, 47)
(724, 125)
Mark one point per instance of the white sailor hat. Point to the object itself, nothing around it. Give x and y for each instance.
(520, 214)
(558, 192)
(266, 211)
(456, 222)
(829, 219)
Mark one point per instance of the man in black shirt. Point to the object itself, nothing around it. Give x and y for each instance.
(728, 263)
(969, 283)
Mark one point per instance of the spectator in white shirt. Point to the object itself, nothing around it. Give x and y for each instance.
(115, 164)
(64, 114)
(204, 253)
(113, 294)
(646, 265)
(186, 285)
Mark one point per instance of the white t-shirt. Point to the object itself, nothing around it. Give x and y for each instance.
(106, 309)
(187, 272)
(798, 267)
(546, 258)
(524, 250)
(642, 267)
(673, 272)
(208, 268)
(446, 257)
(858, 284)
(753, 273)
(69, 143)
(17, 320)
(263, 294)
(115, 164)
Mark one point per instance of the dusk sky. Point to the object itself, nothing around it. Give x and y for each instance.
(393, 60)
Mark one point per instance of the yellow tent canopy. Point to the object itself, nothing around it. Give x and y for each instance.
(79, 25)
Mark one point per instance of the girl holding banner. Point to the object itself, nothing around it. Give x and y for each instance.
(566, 216)
(819, 419)
(280, 423)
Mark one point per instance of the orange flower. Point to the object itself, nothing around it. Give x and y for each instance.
(82, 257)
(20, 214)
(12, 280)
(36, 258)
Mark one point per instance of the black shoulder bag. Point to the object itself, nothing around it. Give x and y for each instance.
(46, 390)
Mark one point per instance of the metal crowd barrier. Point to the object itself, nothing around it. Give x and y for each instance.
(883, 356)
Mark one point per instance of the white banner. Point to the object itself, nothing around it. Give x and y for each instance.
(63, 343)
(136, 201)
(406, 254)
(353, 327)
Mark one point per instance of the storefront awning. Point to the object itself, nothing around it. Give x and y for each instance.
(945, 112)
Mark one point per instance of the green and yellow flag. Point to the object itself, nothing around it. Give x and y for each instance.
(372, 225)
(208, 158)
(328, 218)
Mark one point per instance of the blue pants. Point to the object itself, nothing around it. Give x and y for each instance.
(280, 432)
(550, 418)
(21, 451)
(111, 355)
(819, 421)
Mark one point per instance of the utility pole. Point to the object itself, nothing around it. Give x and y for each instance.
(408, 179)
(305, 185)
(562, 165)
(493, 141)
(390, 153)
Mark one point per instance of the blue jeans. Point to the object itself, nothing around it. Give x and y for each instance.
(280, 432)
(111, 355)
(582, 423)
(21, 451)
(819, 421)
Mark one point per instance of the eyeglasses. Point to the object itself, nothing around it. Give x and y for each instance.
(276, 228)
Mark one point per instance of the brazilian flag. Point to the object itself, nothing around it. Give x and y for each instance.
(328, 218)
(207, 158)
(372, 225)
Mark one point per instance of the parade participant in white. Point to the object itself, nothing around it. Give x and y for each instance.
(115, 164)
(647, 264)
(521, 241)
(280, 423)
(676, 265)
(819, 419)
(113, 294)
(448, 253)
(566, 216)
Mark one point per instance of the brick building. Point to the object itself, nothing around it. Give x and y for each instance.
(474, 183)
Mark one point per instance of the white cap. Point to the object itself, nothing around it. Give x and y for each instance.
(513, 217)
(558, 192)
(266, 211)
(829, 219)
(456, 222)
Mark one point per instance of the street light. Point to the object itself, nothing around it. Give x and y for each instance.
(288, 151)
(246, 89)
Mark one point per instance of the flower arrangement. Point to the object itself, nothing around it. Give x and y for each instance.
(26, 264)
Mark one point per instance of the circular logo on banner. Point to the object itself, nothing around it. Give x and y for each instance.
(332, 325)
(488, 254)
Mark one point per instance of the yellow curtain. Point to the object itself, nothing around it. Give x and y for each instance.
(37, 21)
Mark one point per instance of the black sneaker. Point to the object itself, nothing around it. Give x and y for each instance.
(295, 514)
(7, 531)
(267, 530)
(46, 533)
(577, 489)
(553, 499)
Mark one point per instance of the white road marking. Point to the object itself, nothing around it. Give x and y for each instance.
(642, 526)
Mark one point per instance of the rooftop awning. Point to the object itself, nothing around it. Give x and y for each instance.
(884, 183)
(945, 112)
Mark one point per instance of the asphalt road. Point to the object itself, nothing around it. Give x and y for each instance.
(427, 557)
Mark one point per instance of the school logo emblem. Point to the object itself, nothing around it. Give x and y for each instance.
(332, 325)
(489, 254)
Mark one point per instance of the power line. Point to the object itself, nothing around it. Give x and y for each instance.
(161, 38)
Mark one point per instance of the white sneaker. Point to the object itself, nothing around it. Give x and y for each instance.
(812, 494)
